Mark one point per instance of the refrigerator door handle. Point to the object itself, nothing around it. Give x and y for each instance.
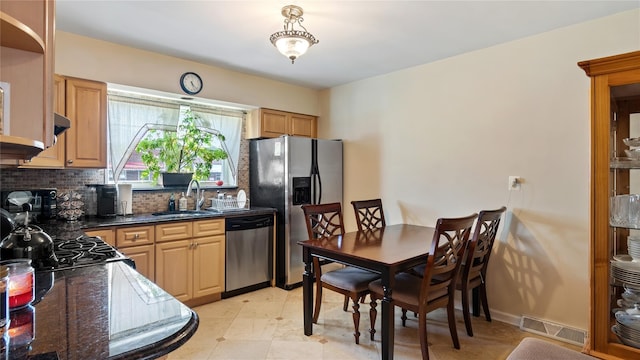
(316, 189)
(319, 189)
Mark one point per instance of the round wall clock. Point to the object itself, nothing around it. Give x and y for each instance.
(191, 83)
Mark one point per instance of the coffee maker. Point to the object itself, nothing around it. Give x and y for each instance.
(107, 199)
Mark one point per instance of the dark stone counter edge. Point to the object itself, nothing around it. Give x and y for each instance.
(96, 222)
(161, 348)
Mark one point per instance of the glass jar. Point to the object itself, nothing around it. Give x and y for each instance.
(21, 282)
(21, 332)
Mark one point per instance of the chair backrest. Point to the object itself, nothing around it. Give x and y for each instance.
(369, 214)
(445, 255)
(481, 243)
(323, 220)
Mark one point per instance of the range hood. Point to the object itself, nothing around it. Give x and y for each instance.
(60, 124)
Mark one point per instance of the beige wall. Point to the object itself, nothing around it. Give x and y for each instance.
(103, 61)
(441, 139)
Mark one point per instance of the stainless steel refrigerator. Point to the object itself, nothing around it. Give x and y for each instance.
(288, 172)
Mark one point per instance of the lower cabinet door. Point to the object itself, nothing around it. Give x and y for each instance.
(174, 264)
(208, 265)
(144, 258)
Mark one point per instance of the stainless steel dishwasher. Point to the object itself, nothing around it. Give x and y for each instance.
(249, 253)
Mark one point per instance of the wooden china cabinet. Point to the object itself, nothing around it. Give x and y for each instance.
(615, 115)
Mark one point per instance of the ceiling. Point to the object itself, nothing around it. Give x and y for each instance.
(358, 39)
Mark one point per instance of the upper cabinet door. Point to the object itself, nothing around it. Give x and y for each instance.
(53, 157)
(274, 123)
(86, 105)
(303, 125)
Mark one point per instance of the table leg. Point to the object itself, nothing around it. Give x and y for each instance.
(387, 317)
(307, 291)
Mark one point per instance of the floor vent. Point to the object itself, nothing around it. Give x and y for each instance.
(552, 330)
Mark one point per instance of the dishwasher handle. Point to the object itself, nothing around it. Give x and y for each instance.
(247, 223)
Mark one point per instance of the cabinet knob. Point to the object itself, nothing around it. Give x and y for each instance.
(136, 236)
(70, 161)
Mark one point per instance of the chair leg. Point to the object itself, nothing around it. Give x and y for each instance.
(452, 324)
(372, 317)
(316, 311)
(485, 302)
(356, 318)
(404, 317)
(345, 306)
(465, 310)
(475, 301)
(422, 331)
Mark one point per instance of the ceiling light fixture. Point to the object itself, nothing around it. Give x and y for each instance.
(292, 43)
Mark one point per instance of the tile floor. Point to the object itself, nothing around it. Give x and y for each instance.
(267, 324)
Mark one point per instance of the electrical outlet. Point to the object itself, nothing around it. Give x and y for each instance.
(514, 183)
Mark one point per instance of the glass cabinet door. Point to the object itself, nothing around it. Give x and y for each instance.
(614, 329)
(624, 213)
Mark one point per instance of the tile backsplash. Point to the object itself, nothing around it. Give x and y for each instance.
(144, 201)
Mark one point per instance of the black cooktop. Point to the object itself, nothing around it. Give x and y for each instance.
(84, 251)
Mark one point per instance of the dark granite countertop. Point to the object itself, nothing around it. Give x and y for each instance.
(106, 311)
(96, 222)
(60, 229)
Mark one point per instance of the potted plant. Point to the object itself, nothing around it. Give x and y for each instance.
(187, 151)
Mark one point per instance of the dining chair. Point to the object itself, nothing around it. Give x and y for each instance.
(422, 295)
(369, 214)
(325, 220)
(473, 274)
(473, 271)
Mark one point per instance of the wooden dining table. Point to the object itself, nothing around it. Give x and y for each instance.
(385, 251)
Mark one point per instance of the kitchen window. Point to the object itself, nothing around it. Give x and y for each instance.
(132, 114)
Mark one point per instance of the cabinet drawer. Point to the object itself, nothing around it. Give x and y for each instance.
(132, 236)
(173, 231)
(107, 235)
(208, 227)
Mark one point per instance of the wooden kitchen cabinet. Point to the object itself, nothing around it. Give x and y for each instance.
(53, 157)
(138, 243)
(615, 115)
(268, 123)
(26, 64)
(132, 245)
(84, 145)
(174, 268)
(190, 258)
(107, 235)
(144, 258)
(209, 257)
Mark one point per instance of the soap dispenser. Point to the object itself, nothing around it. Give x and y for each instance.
(182, 203)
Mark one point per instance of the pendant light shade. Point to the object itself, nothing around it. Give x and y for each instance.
(290, 42)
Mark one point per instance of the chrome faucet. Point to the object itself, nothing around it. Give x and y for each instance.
(199, 196)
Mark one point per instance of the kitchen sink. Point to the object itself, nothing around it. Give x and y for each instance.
(184, 213)
(228, 210)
